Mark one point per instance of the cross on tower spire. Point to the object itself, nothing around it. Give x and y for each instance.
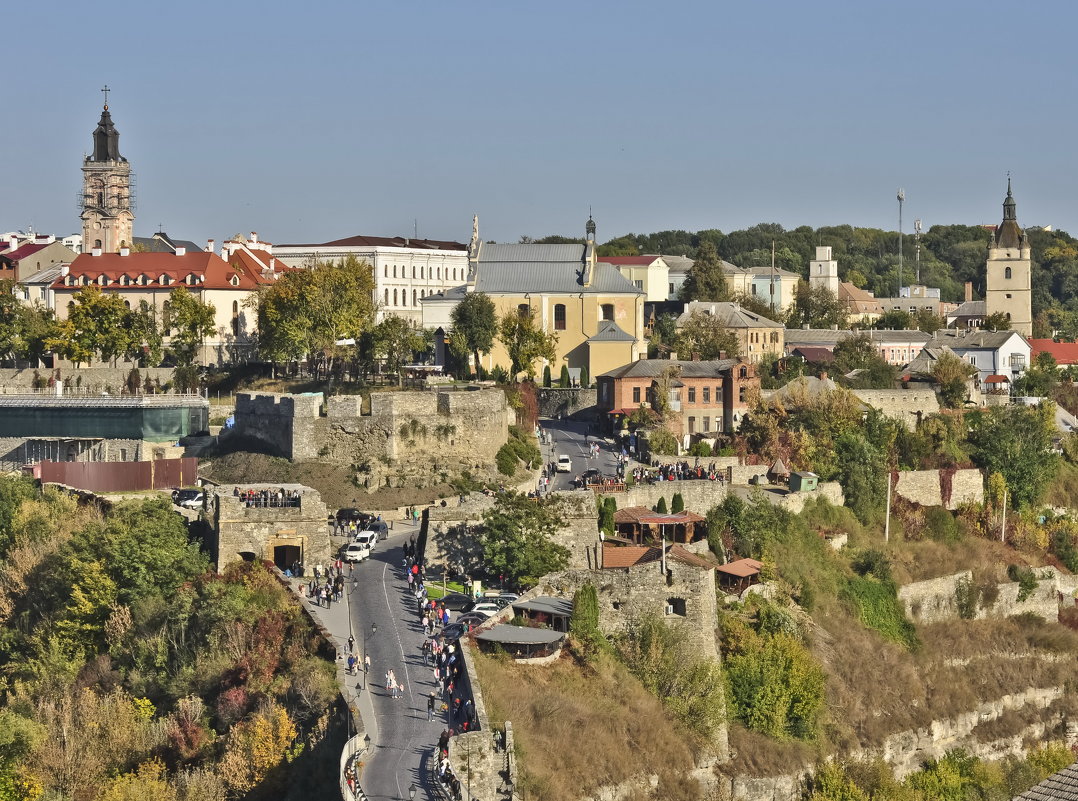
(106, 91)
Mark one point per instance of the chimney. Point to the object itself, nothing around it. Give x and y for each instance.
(722, 355)
(125, 251)
(673, 356)
(181, 251)
(65, 269)
(209, 245)
(834, 326)
(805, 327)
(95, 252)
(969, 291)
(696, 356)
(254, 236)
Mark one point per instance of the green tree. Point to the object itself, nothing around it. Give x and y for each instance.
(588, 640)
(677, 504)
(563, 380)
(863, 475)
(859, 352)
(952, 374)
(585, 379)
(97, 324)
(146, 339)
(518, 538)
(546, 376)
(705, 335)
(706, 279)
(190, 321)
(525, 341)
(397, 340)
(816, 307)
(475, 324)
(663, 334)
(997, 321)
(1016, 442)
(305, 313)
(660, 507)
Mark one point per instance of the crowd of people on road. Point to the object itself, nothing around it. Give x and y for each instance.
(327, 584)
(678, 471)
(259, 498)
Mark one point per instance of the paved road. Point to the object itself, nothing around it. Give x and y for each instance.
(402, 739)
(568, 437)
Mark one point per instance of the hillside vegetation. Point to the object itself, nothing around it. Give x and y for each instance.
(129, 670)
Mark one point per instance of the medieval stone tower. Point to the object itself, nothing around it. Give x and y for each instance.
(1008, 287)
(108, 197)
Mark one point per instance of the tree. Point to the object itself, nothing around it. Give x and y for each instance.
(1016, 442)
(677, 504)
(563, 380)
(816, 307)
(525, 341)
(475, 324)
(397, 340)
(97, 324)
(585, 379)
(546, 376)
(858, 352)
(996, 321)
(706, 279)
(587, 639)
(663, 333)
(952, 374)
(146, 340)
(305, 313)
(517, 538)
(705, 335)
(862, 473)
(190, 321)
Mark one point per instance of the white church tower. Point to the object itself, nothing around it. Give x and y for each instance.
(823, 270)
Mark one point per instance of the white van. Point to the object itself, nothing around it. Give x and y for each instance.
(368, 539)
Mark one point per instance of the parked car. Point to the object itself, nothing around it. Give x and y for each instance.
(457, 602)
(354, 552)
(454, 631)
(368, 539)
(509, 597)
(346, 516)
(379, 527)
(487, 607)
(188, 498)
(472, 618)
(565, 464)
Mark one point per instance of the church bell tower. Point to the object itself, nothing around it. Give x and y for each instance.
(108, 191)
(1008, 284)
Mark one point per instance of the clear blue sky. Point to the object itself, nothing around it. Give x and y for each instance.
(312, 121)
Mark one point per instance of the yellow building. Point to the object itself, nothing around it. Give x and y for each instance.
(596, 313)
(756, 335)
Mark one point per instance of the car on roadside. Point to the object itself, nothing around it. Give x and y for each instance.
(354, 552)
(487, 607)
(453, 632)
(188, 498)
(472, 618)
(368, 539)
(509, 597)
(379, 527)
(565, 464)
(457, 602)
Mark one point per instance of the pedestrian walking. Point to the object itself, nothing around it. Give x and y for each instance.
(366, 663)
(430, 707)
(351, 643)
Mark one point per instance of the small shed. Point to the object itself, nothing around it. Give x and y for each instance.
(547, 610)
(520, 642)
(736, 577)
(803, 481)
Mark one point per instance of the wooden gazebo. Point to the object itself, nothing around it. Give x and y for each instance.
(642, 525)
(736, 577)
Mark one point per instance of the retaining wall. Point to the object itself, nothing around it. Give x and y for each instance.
(928, 487)
(935, 600)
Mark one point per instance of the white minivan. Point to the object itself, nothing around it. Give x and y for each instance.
(368, 539)
(565, 464)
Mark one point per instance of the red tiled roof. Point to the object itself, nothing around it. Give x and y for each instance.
(615, 556)
(1064, 352)
(209, 269)
(997, 379)
(814, 354)
(742, 568)
(23, 251)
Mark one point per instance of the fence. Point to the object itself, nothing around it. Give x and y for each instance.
(119, 476)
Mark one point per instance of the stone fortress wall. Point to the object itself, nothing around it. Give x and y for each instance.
(905, 405)
(936, 600)
(930, 487)
(407, 438)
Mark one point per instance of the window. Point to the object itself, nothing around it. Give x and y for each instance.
(1018, 361)
(394, 297)
(636, 394)
(439, 273)
(394, 270)
(676, 606)
(692, 394)
(1007, 273)
(707, 424)
(607, 310)
(707, 397)
(385, 271)
(413, 297)
(413, 271)
(127, 304)
(775, 337)
(1008, 296)
(741, 394)
(743, 372)
(97, 244)
(669, 289)
(718, 394)
(754, 289)
(692, 425)
(454, 273)
(387, 298)
(559, 316)
(639, 284)
(524, 310)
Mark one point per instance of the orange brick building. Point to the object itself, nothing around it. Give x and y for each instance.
(709, 397)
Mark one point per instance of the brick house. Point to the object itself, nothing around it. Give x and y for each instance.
(710, 397)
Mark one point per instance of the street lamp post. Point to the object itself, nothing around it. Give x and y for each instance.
(412, 792)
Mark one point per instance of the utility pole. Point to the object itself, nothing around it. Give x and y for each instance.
(917, 239)
(887, 518)
(901, 200)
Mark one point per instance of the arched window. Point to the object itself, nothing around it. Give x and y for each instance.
(97, 244)
(413, 297)
(394, 297)
(413, 271)
(454, 273)
(387, 295)
(385, 271)
(559, 316)
(235, 318)
(394, 270)
(439, 273)
(1007, 272)
(127, 304)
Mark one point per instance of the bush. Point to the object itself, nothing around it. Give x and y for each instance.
(677, 503)
(662, 441)
(563, 381)
(1026, 578)
(941, 525)
(506, 460)
(546, 376)
(965, 598)
(700, 448)
(587, 640)
(585, 379)
(877, 607)
(660, 507)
